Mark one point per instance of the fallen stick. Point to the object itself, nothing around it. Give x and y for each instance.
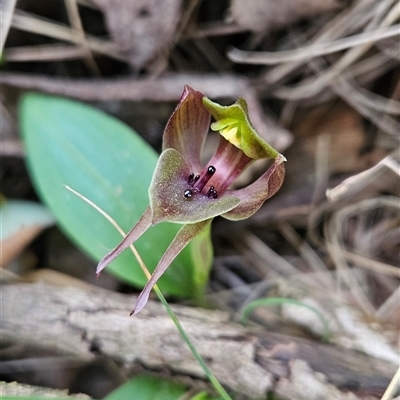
(81, 324)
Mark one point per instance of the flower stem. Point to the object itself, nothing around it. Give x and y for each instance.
(214, 381)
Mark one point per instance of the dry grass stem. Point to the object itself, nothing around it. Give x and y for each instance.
(11, 148)
(313, 50)
(310, 257)
(372, 66)
(76, 24)
(393, 387)
(382, 120)
(115, 225)
(268, 258)
(334, 233)
(215, 29)
(6, 13)
(54, 52)
(312, 86)
(391, 306)
(348, 21)
(356, 183)
(373, 265)
(370, 99)
(392, 164)
(35, 24)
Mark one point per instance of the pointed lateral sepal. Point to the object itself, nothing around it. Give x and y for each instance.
(167, 200)
(141, 226)
(253, 196)
(182, 238)
(233, 123)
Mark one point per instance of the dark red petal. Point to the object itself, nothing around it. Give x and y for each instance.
(187, 128)
(253, 196)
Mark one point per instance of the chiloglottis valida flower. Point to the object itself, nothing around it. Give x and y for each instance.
(185, 192)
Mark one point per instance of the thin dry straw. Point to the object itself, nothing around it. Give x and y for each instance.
(356, 183)
(267, 256)
(314, 85)
(372, 265)
(313, 50)
(44, 53)
(393, 386)
(336, 246)
(376, 109)
(6, 12)
(308, 255)
(76, 24)
(373, 100)
(390, 306)
(346, 22)
(114, 224)
(344, 89)
(381, 119)
(34, 24)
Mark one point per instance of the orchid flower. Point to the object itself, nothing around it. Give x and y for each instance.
(185, 192)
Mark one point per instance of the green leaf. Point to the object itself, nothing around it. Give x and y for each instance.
(147, 388)
(16, 214)
(77, 145)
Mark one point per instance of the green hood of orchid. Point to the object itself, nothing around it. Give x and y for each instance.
(233, 123)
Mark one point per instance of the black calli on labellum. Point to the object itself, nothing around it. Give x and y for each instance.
(185, 192)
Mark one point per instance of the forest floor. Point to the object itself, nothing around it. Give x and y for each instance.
(322, 82)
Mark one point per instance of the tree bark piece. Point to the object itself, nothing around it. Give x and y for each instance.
(19, 389)
(79, 323)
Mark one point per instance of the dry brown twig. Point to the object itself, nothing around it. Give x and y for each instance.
(312, 50)
(312, 86)
(348, 21)
(77, 27)
(380, 18)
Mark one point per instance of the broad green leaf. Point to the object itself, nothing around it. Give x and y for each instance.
(148, 388)
(21, 221)
(17, 214)
(70, 143)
